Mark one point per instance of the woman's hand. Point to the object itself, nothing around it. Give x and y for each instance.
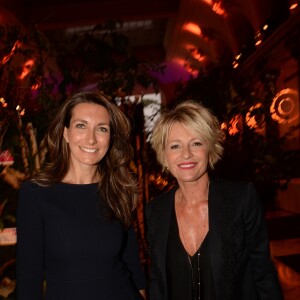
(143, 293)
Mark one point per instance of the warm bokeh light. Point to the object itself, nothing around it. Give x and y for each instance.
(258, 42)
(258, 38)
(266, 26)
(192, 28)
(218, 9)
(20, 110)
(3, 102)
(236, 124)
(237, 57)
(7, 57)
(293, 6)
(192, 71)
(158, 180)
(209, 2)
(254, 120)
(26, 68)
(197, 55)
(36, 86)
(235, 64)
(216, 6)
(224, 126)
(283, 108)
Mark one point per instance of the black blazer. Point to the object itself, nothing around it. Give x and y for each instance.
(239, 248)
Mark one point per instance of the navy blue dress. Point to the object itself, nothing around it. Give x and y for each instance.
(64, 243)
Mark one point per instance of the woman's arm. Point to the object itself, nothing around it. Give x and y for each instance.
(132, 260)
(30, 257)
(143, 293)
(153, 282)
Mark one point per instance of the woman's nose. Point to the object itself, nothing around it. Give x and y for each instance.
(91, 137)
(186, 152)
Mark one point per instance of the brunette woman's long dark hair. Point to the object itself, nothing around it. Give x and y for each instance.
(118, 185)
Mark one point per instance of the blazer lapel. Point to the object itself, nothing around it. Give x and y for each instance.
(163, 222)
(161, 214)
(215, 203)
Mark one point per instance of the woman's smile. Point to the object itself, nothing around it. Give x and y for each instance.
(89, 150)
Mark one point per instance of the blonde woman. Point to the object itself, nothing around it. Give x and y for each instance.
(207, 237)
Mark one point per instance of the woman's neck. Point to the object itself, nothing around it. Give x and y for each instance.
(193, 194)
(83, 177)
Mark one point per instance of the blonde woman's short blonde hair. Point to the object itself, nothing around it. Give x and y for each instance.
(196, 118)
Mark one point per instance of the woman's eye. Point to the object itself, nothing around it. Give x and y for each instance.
(197, 143)
(80, 125)
(174, 146)
(103, 129)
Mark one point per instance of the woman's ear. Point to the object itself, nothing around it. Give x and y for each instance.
(65, 135)
(165, 165)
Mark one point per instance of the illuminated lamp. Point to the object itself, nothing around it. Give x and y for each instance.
(283, 107)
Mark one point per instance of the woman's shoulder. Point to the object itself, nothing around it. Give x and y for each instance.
(164, 196)
(159, 208)
(29, 185)
(232, 184)
(161, 202)
(236, 192)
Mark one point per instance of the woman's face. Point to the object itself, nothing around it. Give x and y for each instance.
(185, 155)
(88, 135)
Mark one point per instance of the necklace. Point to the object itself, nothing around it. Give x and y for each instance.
(196, 285)
(195, 271)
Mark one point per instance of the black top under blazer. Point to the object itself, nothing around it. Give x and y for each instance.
(242, 268)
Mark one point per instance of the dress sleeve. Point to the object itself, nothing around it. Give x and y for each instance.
(264, 272)
(153, 281)
(30, 258)
(132, 260)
